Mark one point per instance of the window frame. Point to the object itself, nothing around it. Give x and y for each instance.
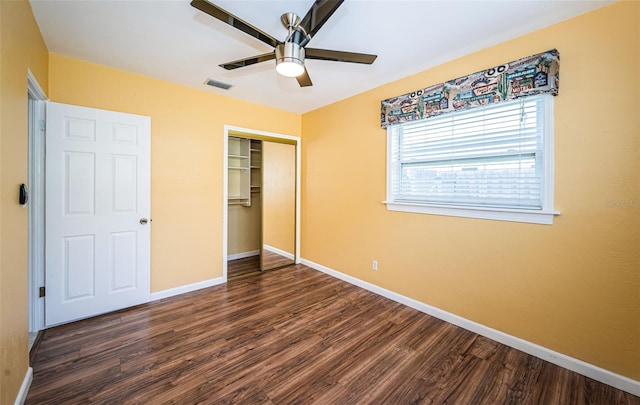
(545, 215)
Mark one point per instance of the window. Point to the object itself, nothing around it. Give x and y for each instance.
(492, 162)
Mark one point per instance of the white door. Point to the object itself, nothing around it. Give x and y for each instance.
(97, 212)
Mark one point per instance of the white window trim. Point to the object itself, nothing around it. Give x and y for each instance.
(544, 216)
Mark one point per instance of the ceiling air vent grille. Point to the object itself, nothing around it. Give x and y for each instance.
(215, 83)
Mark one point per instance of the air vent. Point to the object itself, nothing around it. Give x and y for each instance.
(215, 83)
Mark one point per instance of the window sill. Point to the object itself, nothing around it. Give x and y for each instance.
(544, 217)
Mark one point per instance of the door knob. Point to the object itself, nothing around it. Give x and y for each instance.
(144, 221)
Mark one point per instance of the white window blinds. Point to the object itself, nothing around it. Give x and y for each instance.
(491, 156)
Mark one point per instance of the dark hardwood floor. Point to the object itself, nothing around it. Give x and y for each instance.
(250, 266)
(239, 268)
(292, 336)
(273, 261)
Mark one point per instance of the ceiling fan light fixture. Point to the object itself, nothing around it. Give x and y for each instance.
(292, 68)
(290, 59)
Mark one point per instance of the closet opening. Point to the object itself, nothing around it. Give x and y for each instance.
(262, 198)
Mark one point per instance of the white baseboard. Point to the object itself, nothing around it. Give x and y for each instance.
(24, 388)
(185, 289)
(573, 364)
(278, 252)
(242, 255)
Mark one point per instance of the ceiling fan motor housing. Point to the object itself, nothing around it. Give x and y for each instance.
(290, 59)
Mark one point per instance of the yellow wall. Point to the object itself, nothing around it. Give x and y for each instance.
(279, 195)
(187, 130)
(21, 48)
(573, 287)
(244, 227)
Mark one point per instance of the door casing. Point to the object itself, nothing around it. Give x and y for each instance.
(36, 134)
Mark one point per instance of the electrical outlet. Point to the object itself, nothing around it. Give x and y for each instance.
(374, 265)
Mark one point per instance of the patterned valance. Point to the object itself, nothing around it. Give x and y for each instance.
(524, 77)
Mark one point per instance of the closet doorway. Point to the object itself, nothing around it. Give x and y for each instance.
(261, 202)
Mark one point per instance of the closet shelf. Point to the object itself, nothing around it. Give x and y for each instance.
(244, 164)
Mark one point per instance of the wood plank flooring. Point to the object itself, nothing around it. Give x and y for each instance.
(250, 266)
(272, 260)
(247, 266)
(292, 336)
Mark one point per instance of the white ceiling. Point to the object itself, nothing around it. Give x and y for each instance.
(170, 40)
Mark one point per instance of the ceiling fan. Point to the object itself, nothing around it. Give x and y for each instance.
(290, 53)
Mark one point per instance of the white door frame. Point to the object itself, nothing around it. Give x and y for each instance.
(36, 134)
(238, 131)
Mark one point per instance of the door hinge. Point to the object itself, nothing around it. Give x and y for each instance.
(41, 292)
(43, 125)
